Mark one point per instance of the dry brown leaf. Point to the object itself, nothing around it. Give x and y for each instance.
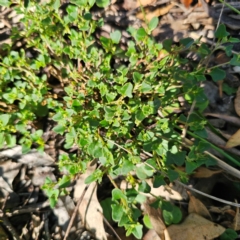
(234, 140)
(186, 3)
(151, 235)
(196, 206)
(156, 219)
(221, 58)
(159, 11)
(221, 210)
(90, 209)
(132, 4)
(236, 221)
(203, 172)
(217, 140)
(237, 102)
(194, 227)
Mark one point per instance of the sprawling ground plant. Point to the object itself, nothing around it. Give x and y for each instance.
(119, 106)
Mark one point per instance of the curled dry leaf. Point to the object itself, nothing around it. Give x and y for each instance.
(237, 102)
(236, 221)
(159, 11)
(186, 3)
(203, 172)
(196, 206)
(234, 140)
(132, 4)
(214, 138)
(194, 227)
(151, 235)
(90, 209)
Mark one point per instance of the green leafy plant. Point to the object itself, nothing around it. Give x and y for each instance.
(229, 234)
(117, 105)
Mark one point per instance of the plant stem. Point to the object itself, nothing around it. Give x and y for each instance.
(233, 160)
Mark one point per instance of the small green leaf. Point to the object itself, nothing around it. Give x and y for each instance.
(118, 194)
(177, 215)
(158, 181)
(221, 31)
(137, 77)
(4, 118)
(144, 187)
(204, 49)
(124, 220)
(107, 211)
(233, 40)
(147, 222)
(117, 212)
(126, 90)
(137, 231)
(72, 12)
(229, 234)
(126, 167)
(5, 3)
(228, 50)
(143, 171)
(168, 217)
(26, 147)
(191, 166)
(91, 2)
(96, 149)
(115, 36)
(53, 202)
(64, 181)
(187, 42)
(59, 129)
(167, 44)
(48, 180)
(26, 3)
(140, 198)
(81, 3)
(235, 61)
(217, 74)
(87, 16)
(153, 23)
(102, 3)
(106, 42)
(139, 117)
(56, 4)
(2, 139)
(96, 175)
(173, 175)
(176, 158)
(10, 140)
(146, 87)
(140, 34)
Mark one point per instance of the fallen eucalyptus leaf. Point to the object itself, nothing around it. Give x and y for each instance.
(196, 206)
(237, 102)
(234, 140)
(194, 227)
(90, 209)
